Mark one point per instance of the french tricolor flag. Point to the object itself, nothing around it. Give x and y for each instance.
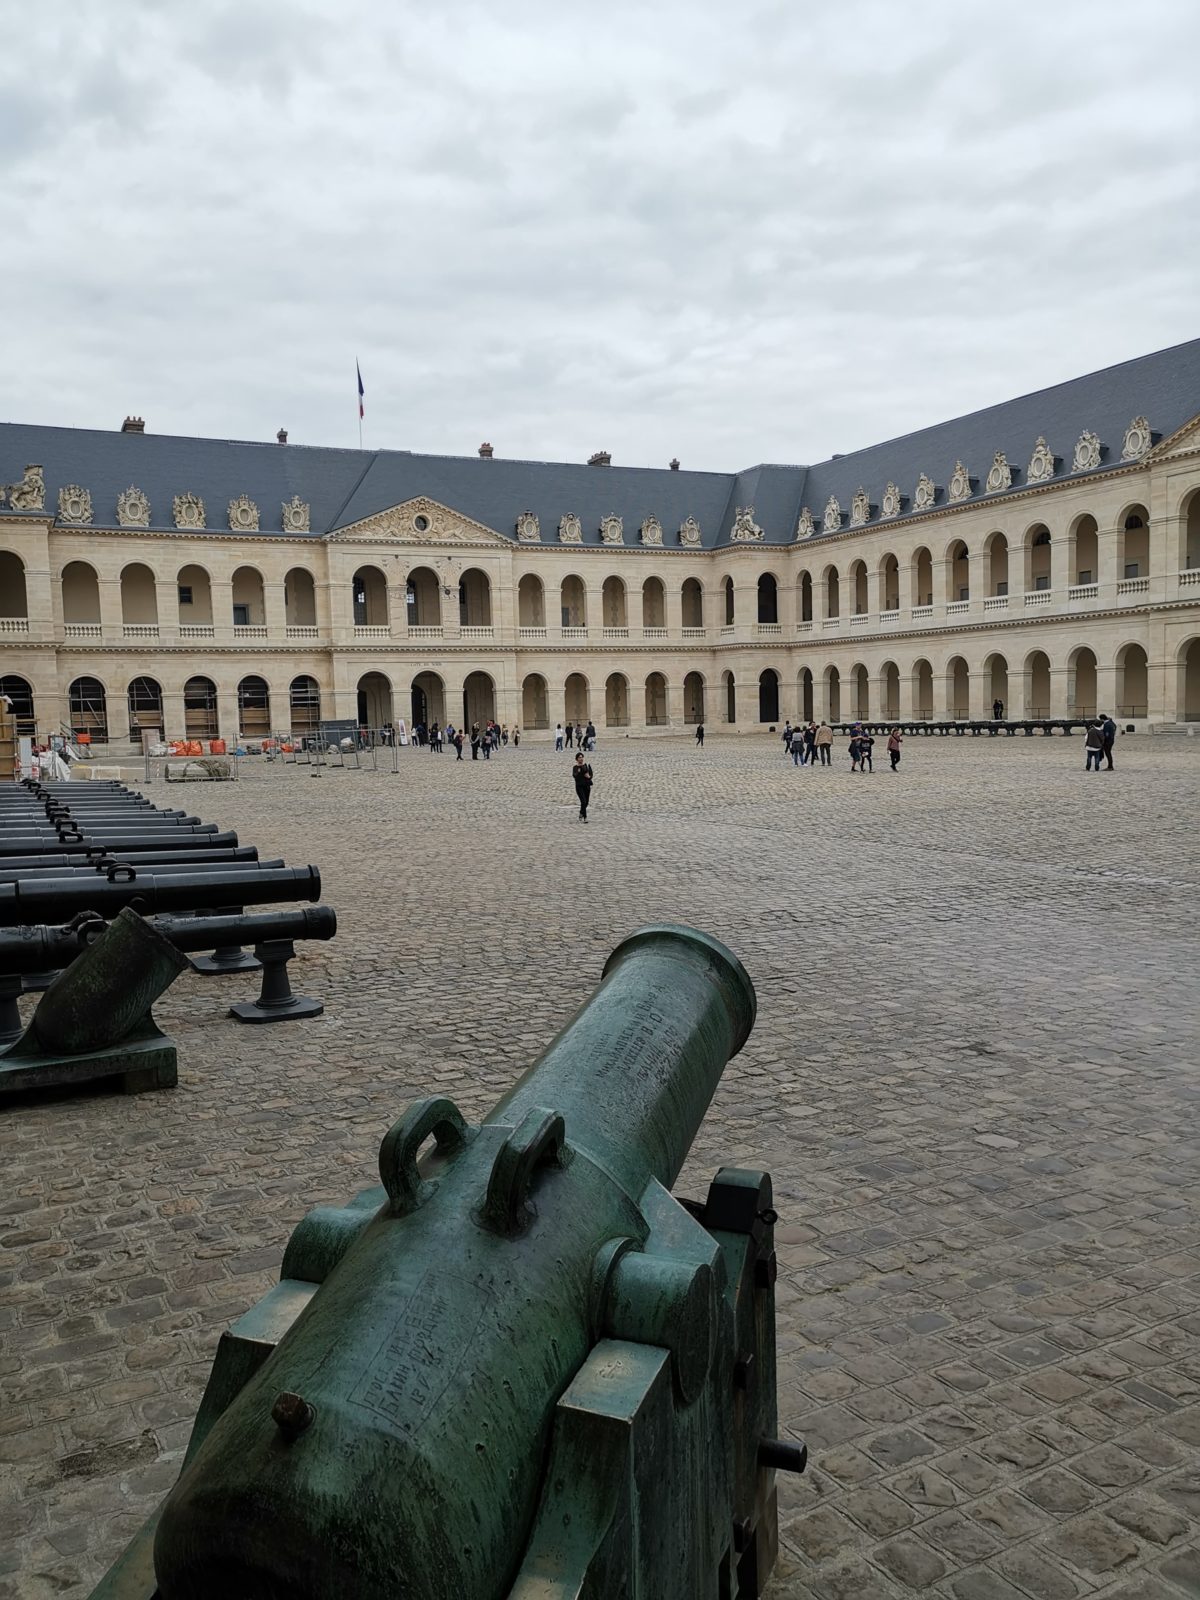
(358, 369)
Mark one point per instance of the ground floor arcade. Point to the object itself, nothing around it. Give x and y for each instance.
(1147, 671)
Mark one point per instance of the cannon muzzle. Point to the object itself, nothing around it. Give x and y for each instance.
(394, 1442)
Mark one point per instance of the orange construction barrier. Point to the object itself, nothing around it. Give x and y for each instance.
(217, 746)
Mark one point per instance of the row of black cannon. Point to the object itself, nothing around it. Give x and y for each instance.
(989, 725)
(80, 867)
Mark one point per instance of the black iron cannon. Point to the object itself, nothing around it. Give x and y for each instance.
(519, 1367)
(74, 840)
(41, 899)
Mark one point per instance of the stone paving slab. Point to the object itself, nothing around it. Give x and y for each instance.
(974, 1078)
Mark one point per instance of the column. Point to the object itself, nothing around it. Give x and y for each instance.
(110, 607)
(166, 604)
(1018, 691)
(174, 721)
(222, 608)
(941, 586)
(906, 694)
(1106, 689)
(274, 609)
(1061, 679)
(675, 700)
(1107, 550)
(943, 685)
(904, 583)
(979, 693)
(1062, 562)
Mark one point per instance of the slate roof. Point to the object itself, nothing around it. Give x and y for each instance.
(346, 486)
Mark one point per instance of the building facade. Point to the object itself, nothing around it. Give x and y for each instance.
(1044, 553)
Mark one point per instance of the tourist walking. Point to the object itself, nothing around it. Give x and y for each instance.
(1094, 740)
(1108, 735)
(558, 735)
(435, 739)
(997, 710)
(487, 742)
(458, 744)
(589, 736)
(893, 747)
(866, 744)
(474, 741)
(700, 734)
(796, 747)
(824, 740)
(855, 751)
(810, 744)
(569, 734)
(582, 774)
(787, 738)
(516, 738)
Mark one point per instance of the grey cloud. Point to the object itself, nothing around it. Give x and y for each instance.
(732, 235)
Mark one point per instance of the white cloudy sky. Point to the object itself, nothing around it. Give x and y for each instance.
(727, 232)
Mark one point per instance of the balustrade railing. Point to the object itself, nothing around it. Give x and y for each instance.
(83, 630)
(14, 624)
(199, 630)
(142, 630)
(530, 635)
(891, 615)
(477, 631)
(372, 630)
(957, 608)
(1083, 591)
(298, 630)
(1133, 586)
(425, 630)
(995, 602)
(1037, 597)
(922, 613)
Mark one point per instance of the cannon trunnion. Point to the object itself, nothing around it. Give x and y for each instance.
(518, 1368)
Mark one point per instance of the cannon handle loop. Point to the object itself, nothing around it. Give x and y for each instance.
(538, 1140)
(121, 872)
(398, 1153)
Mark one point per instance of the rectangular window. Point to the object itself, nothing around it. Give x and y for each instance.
(1002, 586)
(964, 593)
(1131, 569)
(1085, 576)
(185, 594)
(241, 616)
(1041, 583)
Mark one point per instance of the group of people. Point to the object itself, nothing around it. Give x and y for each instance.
(1099, 739)
(582, 738)
(482, 740)
(811, 743)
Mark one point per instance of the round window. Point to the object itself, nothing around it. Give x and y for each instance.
(421, 522)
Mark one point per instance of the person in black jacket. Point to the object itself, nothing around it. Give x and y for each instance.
(582, 773)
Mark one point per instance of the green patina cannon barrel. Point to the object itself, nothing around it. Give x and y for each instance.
(394, 1442)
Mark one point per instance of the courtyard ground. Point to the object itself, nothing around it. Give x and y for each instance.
(974, 1078)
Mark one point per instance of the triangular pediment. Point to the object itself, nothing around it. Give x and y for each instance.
(1184, 441)
(420, 521)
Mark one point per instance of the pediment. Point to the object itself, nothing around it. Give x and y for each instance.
(1184, 441)
(419, 522)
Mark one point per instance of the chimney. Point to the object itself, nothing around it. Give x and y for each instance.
(600, 459)
(485, 452)
(281, 436)
(674, 463)
(133, 425)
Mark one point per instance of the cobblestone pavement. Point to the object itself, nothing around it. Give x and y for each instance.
(974, 1077)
